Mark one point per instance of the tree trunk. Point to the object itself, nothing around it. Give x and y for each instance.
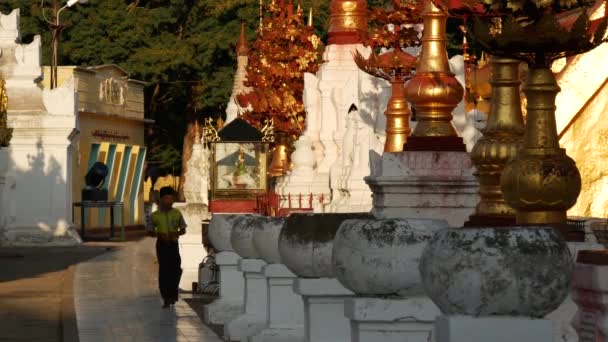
(186, 155)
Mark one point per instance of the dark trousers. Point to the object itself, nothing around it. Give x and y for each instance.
(169, 268)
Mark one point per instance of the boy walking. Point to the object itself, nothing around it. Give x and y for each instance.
(168, 224)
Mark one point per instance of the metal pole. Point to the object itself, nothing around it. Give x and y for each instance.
(54, 35)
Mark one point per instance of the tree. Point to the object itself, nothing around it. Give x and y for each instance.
(286, 48)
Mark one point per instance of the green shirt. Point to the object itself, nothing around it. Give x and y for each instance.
(166, 222)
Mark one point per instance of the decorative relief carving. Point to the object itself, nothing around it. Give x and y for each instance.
(111, 91)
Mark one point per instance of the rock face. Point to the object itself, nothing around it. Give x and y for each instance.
(380, 257)
(266, 239)
(220, 230)
(307, 240)
(515, 271)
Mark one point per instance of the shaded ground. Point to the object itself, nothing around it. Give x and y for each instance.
(197, 304)
(32, 281)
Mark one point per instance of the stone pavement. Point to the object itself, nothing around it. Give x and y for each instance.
(32, 290)
(116, 299)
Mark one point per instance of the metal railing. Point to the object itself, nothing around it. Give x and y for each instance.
(273, 204)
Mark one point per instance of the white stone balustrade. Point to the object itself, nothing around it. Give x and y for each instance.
(254, 316)
(378, 260)
(306, 245)
(285, 312)
(502, 281)
(231, 300)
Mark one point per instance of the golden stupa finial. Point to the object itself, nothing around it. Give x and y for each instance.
(348, 21)
(242, 49)
(310, 17)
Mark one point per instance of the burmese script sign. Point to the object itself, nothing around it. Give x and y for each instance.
(106, 135)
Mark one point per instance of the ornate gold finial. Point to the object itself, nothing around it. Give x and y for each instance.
(396, 67)
(210, 134)
(268, 131)
(434, 91)
(5, 132)
(541, 183)
(242, 48)
(501, 141)
(348, 21)
(310, 22)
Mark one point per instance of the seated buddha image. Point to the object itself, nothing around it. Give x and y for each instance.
(238, 171)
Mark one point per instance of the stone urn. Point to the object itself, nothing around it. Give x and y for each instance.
(510, 271)
(266, 239)
(244, 231)
(220, 230)
(307, 240)
(380, 257)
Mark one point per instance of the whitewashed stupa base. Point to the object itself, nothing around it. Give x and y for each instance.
(495, 329)
(285, 308)
(256, 301)
(391, 320)
(324, 309)
(232, 287)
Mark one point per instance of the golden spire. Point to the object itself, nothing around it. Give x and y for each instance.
(434, 91)
(541, 183)
(347, 22)
(241, 48)
(310, 17)
(501, 141)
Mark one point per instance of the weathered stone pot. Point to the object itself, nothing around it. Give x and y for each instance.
(307, 240)
(220, 230)
(243, 232)
(266, 240)
(380, 257)
(514, 271)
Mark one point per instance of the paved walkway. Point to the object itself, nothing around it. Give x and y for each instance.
(116, 299)
(33, 292)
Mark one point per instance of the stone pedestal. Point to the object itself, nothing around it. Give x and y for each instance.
(590, 293)
(324, 319)
(460, 268)
(285, 308)
(495, 329)
(563, 331)
(256, 301)
(391, 320)
(232, 284)
(423, 184)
